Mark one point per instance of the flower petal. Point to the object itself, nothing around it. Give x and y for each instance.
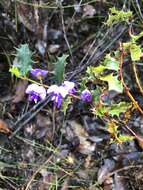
(69, 86)
(86, 95)
(38, 72)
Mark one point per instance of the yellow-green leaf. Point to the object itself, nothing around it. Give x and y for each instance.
(117, 16)
(15, 71)
(136, 52)
(113, 82)
(116, 109)
(111, 63)
(96, 70)
(124, 138)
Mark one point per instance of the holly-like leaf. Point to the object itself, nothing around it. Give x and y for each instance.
(112, 110)
(116, 137)
(111, 63)
(15, 71)
(96, 70)
(23, 60)
(60, 68)
(113, 82)
(117, 16)
(112, 128)
(116, 109)
(135, 51)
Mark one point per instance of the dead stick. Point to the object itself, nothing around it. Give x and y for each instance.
(31, 116)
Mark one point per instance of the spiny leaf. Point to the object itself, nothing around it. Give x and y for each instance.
(112, 128)
(117, 16)
(23, 59)
(116, 109)
(95, 70)
(60, 68)
(111, 63)
(113, 83)
(99, 111)
(113, 110)
(135, 51)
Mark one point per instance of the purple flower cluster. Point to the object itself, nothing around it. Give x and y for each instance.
(36, 92)
(57, 93)
(86, 95)
(39, 73)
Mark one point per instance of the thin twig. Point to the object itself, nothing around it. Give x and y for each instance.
(29, 115)
(53, 121)
(65, 35)
(37, 171)
(139, 9)
(134, 134)
(121, 169)
(46, 6)
(137, 79)
(96, 56)
(72, 18)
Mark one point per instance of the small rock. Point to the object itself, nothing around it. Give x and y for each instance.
(53, 48)
(89, 10)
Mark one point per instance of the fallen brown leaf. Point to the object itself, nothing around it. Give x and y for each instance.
(75, 130)
(4, 127)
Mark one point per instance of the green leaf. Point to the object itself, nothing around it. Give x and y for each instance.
(96, 94)
(66, 104)
(113, 110)
(100, 111)
(135, 51)
(115, 134)
(95, 70)
(124, 138)
(23, 60)
(59, 69)
(116, 109)
(113, 82)
(134, 38)
(15, 71)
(111, 63)
(117, 16)
(126, 45)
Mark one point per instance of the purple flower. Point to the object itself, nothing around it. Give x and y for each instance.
(57, 93)
(38, 73)
(36, 92)
(86, 95)
(69, 86)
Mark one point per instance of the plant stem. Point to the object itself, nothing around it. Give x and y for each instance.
(135, 103)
